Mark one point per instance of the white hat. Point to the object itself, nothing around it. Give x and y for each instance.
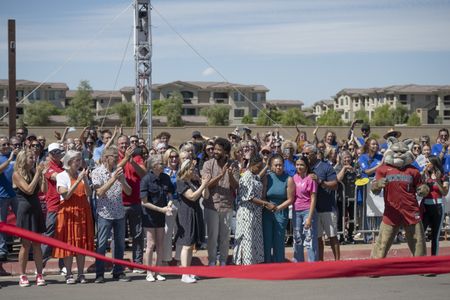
(54, 146)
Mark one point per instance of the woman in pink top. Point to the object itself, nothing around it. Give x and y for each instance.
(303, 213)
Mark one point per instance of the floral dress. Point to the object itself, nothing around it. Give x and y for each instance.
(249, 245)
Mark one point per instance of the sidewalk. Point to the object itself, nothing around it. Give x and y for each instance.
(348, 252)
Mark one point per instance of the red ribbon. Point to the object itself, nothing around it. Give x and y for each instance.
(281, 271)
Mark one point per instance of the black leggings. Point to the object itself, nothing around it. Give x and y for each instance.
(432, 217)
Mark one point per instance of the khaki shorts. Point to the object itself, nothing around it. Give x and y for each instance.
(327, 223)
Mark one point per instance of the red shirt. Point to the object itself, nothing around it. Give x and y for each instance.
(434, 193)
(133, 180)
(52, 197)
(401, 206)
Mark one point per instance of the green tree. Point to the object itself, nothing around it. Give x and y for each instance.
(157, 107)
(362, 115)
(37, 113)
(218, 115)
(80, 109)
(399, 114)
(382, 116)
(294, 116)
(173, 109)
(247, 119)
(414, 120)
(126, 112)
(330, 118)
(269, 116)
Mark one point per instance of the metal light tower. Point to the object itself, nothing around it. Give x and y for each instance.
(143, 64)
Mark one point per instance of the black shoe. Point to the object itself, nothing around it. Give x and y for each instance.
(121, 277)
(99, 279)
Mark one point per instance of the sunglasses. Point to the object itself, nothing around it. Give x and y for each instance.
(90, 143)
(417, 148)
(36, 145)
(210, 149)
(21, 133)
(18, 145)
(134, 141)
(173, 157)
(5, 145)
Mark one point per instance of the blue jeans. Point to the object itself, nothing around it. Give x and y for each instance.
(298, 219)
(104, 227)
(5, 203)
(274, 227)
(50, 223)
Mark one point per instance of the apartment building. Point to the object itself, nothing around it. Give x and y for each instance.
(242, 99)
(284, 105)
(320, 107)
(430, 102)
(55, 92)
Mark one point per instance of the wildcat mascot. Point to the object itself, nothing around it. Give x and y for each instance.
(400, 182)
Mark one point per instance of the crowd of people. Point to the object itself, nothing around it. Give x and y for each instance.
(104, 185)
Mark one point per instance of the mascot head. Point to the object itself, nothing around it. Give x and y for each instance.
(399, 153)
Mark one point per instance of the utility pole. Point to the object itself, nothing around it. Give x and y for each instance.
(12, 76)
(143, 65)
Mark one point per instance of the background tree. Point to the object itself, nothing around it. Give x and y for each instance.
(294, 116)
(362, 115)
(269, 116)
(247, 119)
(173, 108)
(330, 118)
(126, 112)
(414, 120)
(382, 116)
(218, 115)
(157, 107)
(80, 109)
(38, 113)
(399, 114)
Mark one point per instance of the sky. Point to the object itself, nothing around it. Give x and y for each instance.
(299, 50)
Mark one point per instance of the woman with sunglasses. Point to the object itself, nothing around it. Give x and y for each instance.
(207, 153)
(172, 162)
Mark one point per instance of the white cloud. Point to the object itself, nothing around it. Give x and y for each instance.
(208, 72)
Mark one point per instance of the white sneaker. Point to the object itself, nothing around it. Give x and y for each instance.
(150, 278)
(160, 277)
(138, 271)
(63, 271)
(188, 279)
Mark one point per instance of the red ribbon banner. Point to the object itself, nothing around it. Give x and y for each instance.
(280, 271)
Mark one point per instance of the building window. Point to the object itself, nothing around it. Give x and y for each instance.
(254, 113)
(187, 97)
(218, 95)
(258, 97)
(403, 99)
(2, 93)
(346, 115)
(239, 113)
(239, 97)
(447, 100)
(189, 112)
(19, 95)
(54, 95)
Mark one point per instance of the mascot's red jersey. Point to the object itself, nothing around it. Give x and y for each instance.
(401, 206)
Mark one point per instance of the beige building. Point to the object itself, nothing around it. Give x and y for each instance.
(284, 105)
(430, 102)
(102, 100)
(242, 99)
(54, 92)
(320, 107)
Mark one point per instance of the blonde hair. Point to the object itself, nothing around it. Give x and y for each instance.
(184, 169)
(166, 155)
(19, 165)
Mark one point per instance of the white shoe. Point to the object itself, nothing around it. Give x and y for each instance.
(188, 279)
(63, 271)
(138, 271)
(150, 278)
(160, 277)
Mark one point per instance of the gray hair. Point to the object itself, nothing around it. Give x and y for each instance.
(154, 160)
(288, 143)
(68, 157)
(311, 147)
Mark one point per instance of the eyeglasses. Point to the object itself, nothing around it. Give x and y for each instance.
(56, 152)
(417, 148)
(21, 133)
(5, 145)
(265, 153)
(36, 145)
(18, 145)
(173, 157)
(134, 141)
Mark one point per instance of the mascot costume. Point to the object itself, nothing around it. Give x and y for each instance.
(400, 182)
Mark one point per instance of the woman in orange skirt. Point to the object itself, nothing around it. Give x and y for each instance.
(74, 224)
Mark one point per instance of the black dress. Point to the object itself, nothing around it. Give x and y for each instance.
(29, 212)
(156, 190)
(191, 229)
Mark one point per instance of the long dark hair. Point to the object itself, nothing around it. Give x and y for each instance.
(305, 159)
(436, 162)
